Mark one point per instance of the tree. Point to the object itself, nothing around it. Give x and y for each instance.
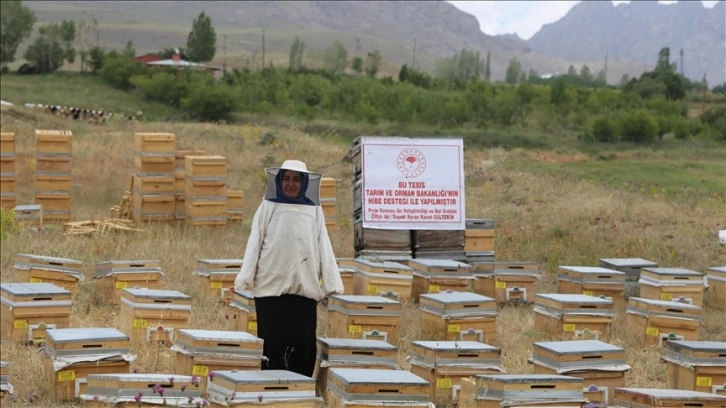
(296, 55)
(664, 61)
(488, 68)
(16, 23)
(202, 40)
(514, 70)
(53, 47)
(84, 29)
(335, 58)
(586, 75)
(96, 56)
(373, 62)
(129, 52)
(357, 64)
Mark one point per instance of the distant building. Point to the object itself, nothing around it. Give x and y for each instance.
(146, 58)
(177, 62)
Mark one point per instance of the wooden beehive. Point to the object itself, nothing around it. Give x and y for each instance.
(49, 183)
(141, 390)
(152, 207)
(241, 315)
(161, 184)
(593, 281)
(7, 143)
(573, 316)
(352, 353)
(362, 387)
(153, 314)
(53, 141)
(63, 272)
(70, 355)
(716, 287)
(380, 243)
(155, 142)
(382, 278)
(205, 211)
(521, 390)
(5, 386)
(437, 240)
(206, 187)
(215, 277)
(328, 187)
(8, 201)
(235, 205)
(200, 352)
(347, 275)
(479, 236)
(695, 365)
(115, 276)
(150, 164)
(7, 164)
(364, 317)
(56, 206)
(513, 282)
(445, 363)
(7, 184)
(274, 388)
(180, 181)
(205, 166)
(659, 321)
(600, 365)
(658, 397)
(56, 164)
(676, 284)
(439, 275)
(631, 267)
(29, 309)
(181, 155)
(458, 316)
(29, 215)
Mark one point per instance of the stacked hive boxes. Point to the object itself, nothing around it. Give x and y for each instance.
(153, 182)
(328, 193)
(205, 201)
(53, 173)
(180, 179)
(235, 205)
(7, 170)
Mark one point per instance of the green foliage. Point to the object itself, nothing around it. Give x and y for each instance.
(168, 53)
(716, 119)
(514, 71)
(605, 130)
(638, 126)
(373, 63)
(166, 86)
(8, 225)
(488, 67)
(413, 76)
(335, 58)
(16, 24)
(53, 47)
(202, 40)
(117, 71)
(96, 56)
(210, 102)
(297, 50)
(357, 65)
(267, 139)
(558, 92)
(460, 68)
(129, 51)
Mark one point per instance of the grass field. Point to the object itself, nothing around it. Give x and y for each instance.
(551, 206)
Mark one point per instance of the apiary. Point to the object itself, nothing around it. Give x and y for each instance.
(205, 166)
(205, 211)
(445, 363)
(141, 390)
(200, 352)
(60, 164)
(383, 278)
(446, 244)
(155, 143)
(513, 282)
(600, 365)
(676, 284)
(658, 397)
(363, 317)
(153, 207)
(215, 277)
(206, 187)
(5, 386)
(241, 314)
(695, 365)
(52, 183)
(153, 314)
(660, 321)
(479, 240)
(115, 276)
(29, 215)
(153, 164)
(159, 184)
(352, 353)
(573, 316)
(593, 281)
(274, 388)
(70, 355)
(63, 272)
(29, 309)
(361, 387)
(380, 243)
(439, 275)
(53, 141)
(521, 390)
(631, 267)
(716, 278)
(458, 316)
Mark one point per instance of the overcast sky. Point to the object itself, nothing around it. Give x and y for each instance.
(523, 18)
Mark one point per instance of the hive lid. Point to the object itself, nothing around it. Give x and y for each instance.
(463, 346)
(578, 347)
(263, 377)
(75, 334)
(457, 297)
(156, 293)
(376, 376)
(629, 262)
(340, 343)
(33, 289)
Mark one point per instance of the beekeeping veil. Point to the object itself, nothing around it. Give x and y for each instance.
(309, 191)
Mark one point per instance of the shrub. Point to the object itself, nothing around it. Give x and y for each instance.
(8, 225)
(117, 71)
(164, 87)
(210, 102)
(638, 126)
(605, 129)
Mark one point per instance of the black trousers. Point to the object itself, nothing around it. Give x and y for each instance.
(287, 325)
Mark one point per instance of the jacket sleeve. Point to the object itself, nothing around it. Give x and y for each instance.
(330, 275)
(245, 279)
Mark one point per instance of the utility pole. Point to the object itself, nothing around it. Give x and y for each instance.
(263, 49)
(224, 65)
(606, 68)
(413, 63)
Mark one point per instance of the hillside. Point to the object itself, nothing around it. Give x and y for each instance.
(637, 31)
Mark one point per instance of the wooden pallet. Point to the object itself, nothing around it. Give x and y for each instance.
(98, 226)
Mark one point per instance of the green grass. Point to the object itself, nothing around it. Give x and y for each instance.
(81, 91)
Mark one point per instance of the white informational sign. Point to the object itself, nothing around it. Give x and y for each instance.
(415, 184)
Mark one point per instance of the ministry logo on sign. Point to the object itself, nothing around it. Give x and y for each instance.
(411, 162)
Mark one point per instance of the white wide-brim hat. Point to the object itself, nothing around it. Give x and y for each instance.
(313, 190)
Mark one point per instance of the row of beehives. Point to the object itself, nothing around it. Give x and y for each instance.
(53, 164)
(94, 364)
(97, 117)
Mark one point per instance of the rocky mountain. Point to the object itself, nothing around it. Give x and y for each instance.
(636, 31)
